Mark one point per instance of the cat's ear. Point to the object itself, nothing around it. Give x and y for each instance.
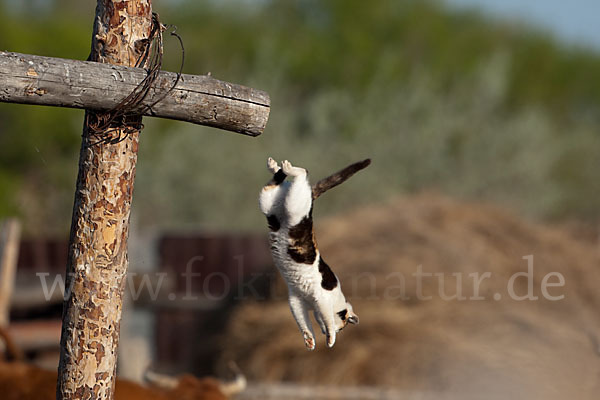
(352, 318)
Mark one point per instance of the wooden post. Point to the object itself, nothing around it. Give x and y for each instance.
(97, 264)
(9, 255)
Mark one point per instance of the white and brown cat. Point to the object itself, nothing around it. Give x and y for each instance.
(312, 285)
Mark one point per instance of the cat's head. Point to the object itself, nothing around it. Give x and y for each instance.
(345, 316)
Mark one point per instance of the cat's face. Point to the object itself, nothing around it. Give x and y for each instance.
(344, 317)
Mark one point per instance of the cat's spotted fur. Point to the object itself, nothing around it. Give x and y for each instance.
(312, 284)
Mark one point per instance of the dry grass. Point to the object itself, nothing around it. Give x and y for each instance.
(520, 349)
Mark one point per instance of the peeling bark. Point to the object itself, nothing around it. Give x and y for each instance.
(98, 262)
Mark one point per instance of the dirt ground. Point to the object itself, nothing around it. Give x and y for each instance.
(490, 342)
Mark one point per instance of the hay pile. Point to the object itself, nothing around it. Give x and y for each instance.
(518, 349)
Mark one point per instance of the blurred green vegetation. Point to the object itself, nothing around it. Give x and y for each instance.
(440, 99)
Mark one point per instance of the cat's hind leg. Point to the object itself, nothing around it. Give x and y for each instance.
(320, 322)
(270, 193)
(324, 309)
(300, 312)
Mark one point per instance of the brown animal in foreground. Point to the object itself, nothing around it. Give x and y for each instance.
(22, 381)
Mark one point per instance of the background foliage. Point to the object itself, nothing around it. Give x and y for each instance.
(440, 100)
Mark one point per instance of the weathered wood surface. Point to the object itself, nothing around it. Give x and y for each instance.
(97, 262)
(199, 99)
(10, 235)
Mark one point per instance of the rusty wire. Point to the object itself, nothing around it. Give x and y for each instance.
(125, 117)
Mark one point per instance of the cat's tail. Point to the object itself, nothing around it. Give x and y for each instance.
(339, 177)
(11, 351)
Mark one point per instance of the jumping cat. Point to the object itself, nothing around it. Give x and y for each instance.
(312, 285)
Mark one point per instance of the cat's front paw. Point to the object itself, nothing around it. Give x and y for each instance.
(272, 166)
(309, 340)
(290, 170)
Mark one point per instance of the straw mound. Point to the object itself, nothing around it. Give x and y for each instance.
(518, 349)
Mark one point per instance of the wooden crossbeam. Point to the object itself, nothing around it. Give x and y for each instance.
(199, 99)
